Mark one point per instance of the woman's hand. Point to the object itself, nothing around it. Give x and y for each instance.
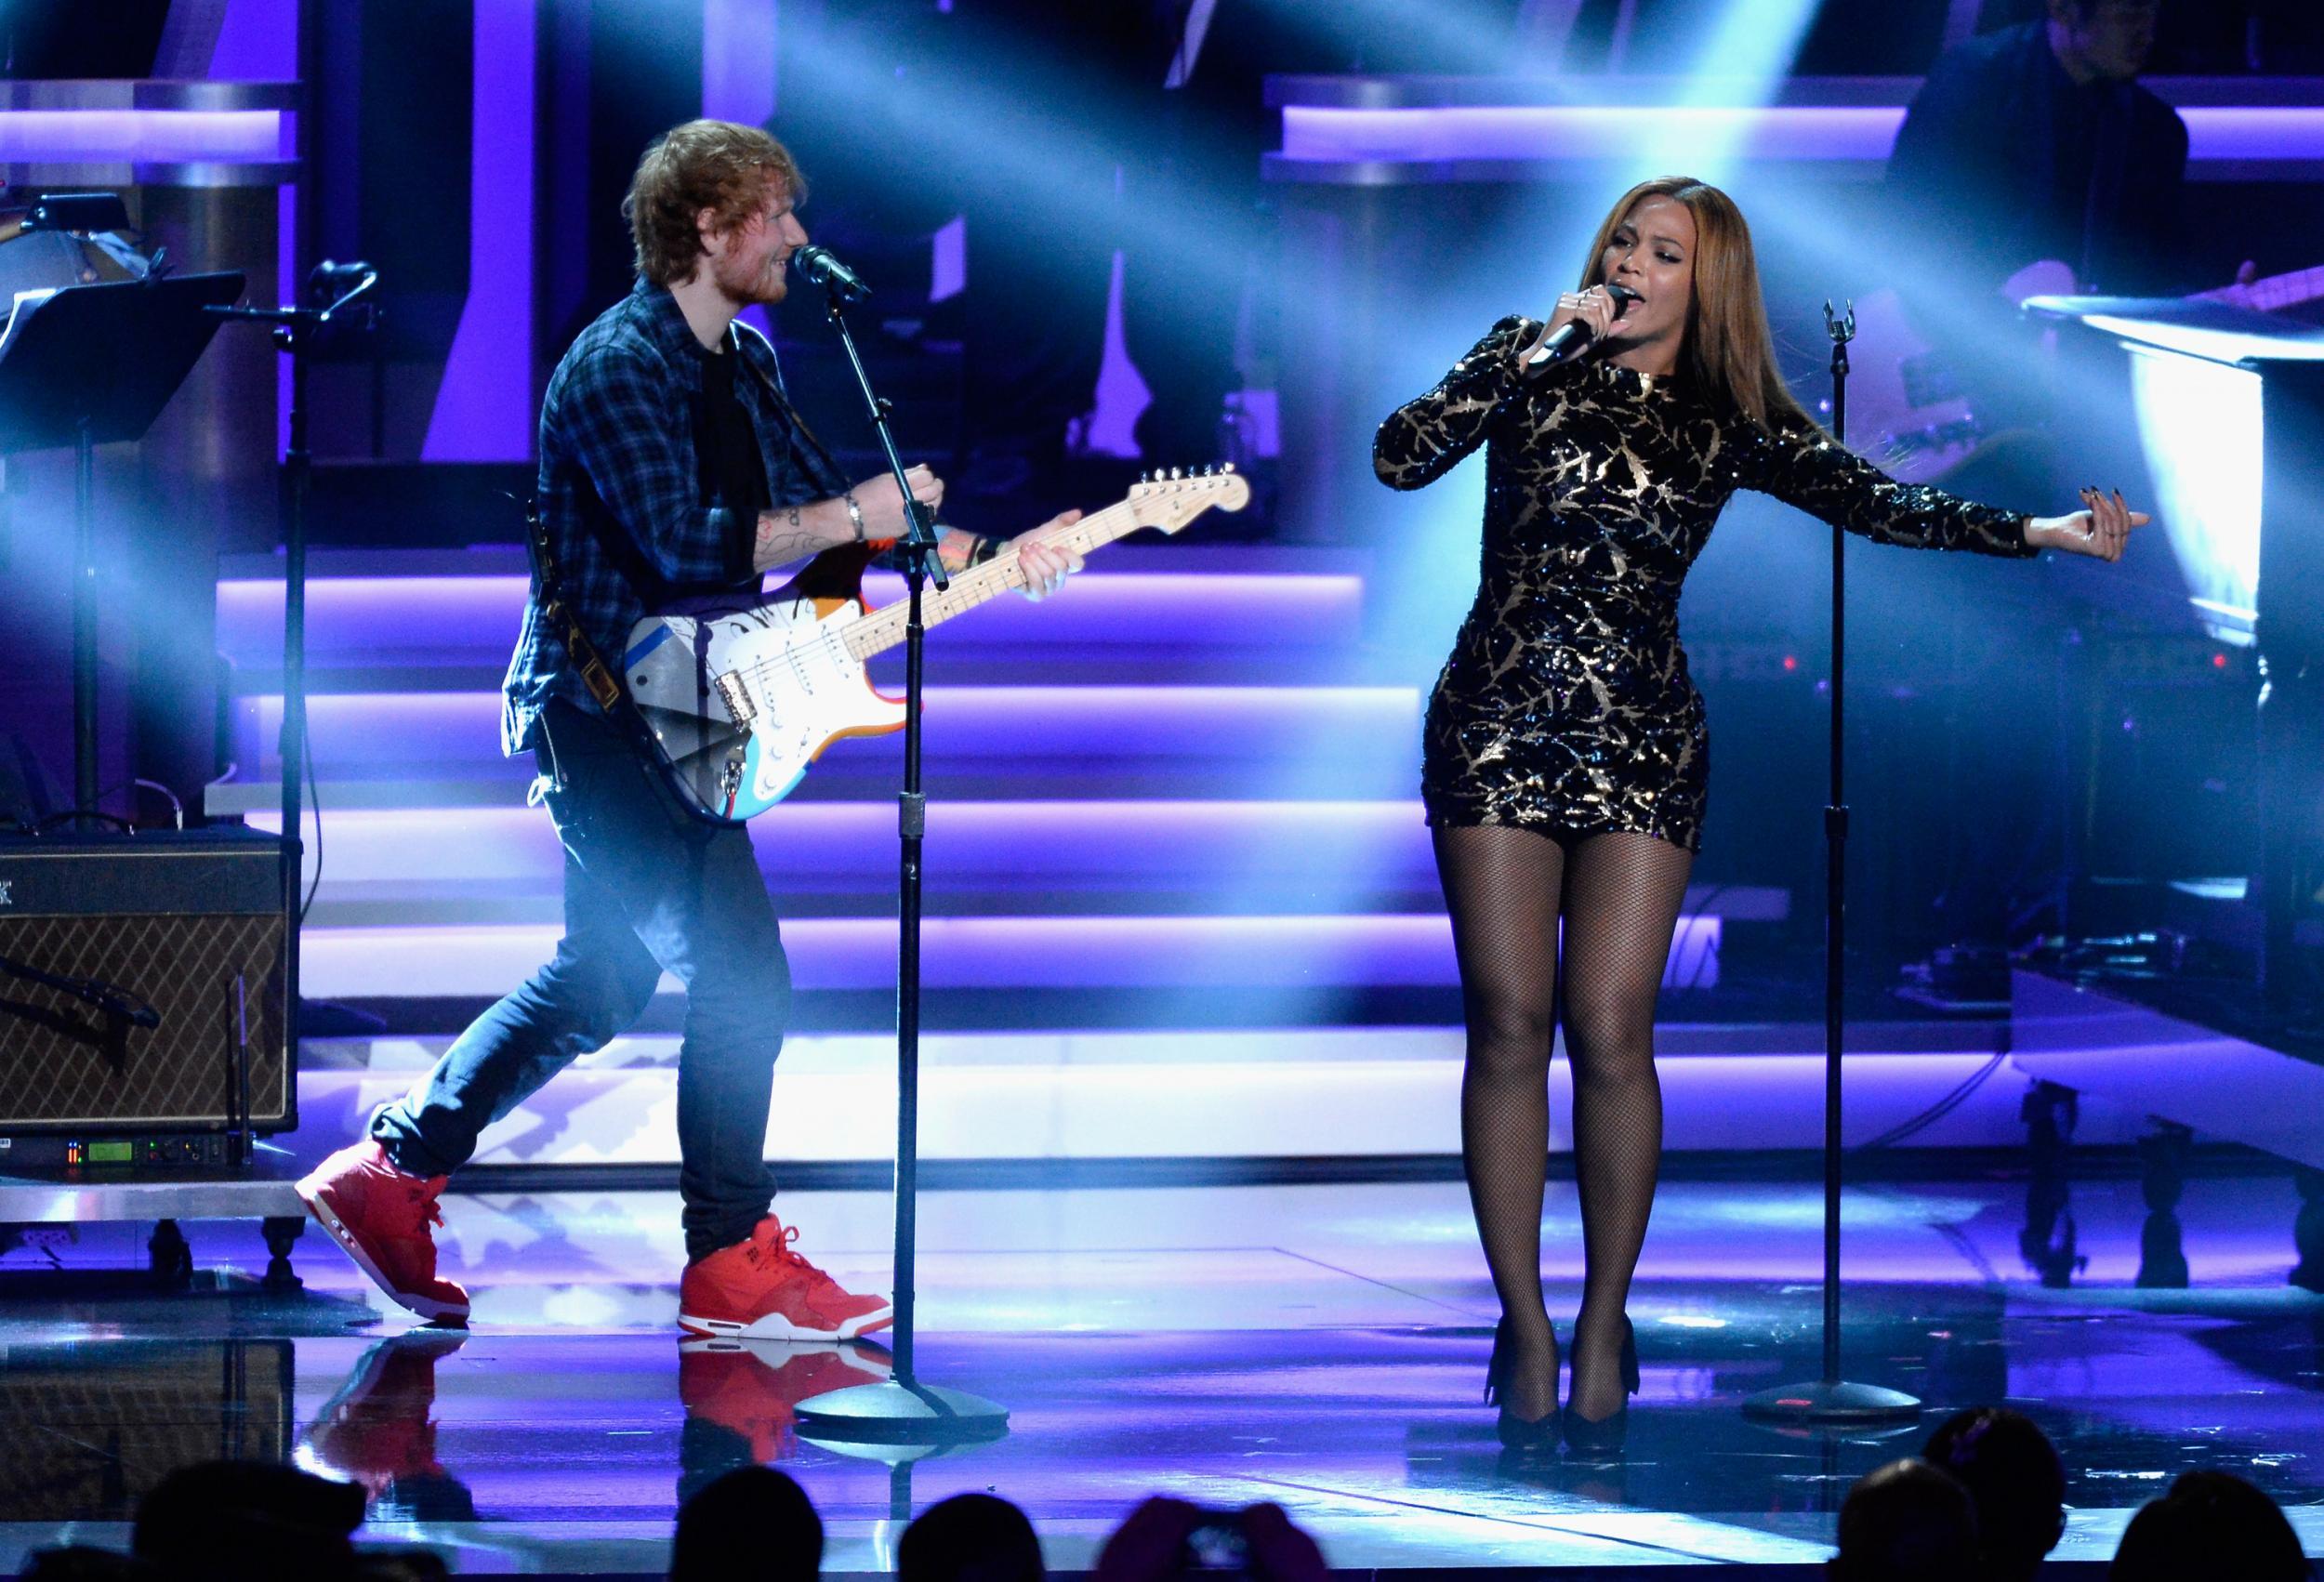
(1045, 565)
(1594, 310)
(2101, 529)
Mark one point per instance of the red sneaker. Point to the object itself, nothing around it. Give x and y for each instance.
(762, 1290)
(381, 1426)
(749, 1387)
(381, 1215)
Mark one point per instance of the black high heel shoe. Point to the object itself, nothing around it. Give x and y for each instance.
(1516, 1433)
(1605, 1435)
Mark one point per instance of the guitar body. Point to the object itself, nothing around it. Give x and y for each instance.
(691, 673)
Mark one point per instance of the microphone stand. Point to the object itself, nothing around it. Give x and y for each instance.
(904, 1417)
(1832, 1400)
(297, 332)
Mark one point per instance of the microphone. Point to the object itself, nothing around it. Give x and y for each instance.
(1573, 337)
(820, 266)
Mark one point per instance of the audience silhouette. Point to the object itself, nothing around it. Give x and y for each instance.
(1906, 1521)
(2016, 1482)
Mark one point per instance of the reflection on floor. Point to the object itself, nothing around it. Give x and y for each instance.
(1322, 1347)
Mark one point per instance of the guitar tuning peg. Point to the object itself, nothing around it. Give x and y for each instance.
(1209, 472)
(1176, 473)
(1143, 476)
(1226, 467)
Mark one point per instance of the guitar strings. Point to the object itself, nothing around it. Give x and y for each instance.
(968, 590)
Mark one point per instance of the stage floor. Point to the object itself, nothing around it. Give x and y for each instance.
(1321, 1347)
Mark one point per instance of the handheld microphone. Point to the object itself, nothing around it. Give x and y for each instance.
(1573, 338)
(820, 266)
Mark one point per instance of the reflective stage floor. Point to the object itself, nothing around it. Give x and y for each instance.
(1319, 1346)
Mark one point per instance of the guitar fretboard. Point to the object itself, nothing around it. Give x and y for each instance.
(882, 629)
(2276, 291)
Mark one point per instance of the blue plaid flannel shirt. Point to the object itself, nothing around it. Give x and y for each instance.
(618, 469)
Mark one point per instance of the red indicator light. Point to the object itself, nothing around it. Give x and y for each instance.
(2219, 662)
(1790, 663)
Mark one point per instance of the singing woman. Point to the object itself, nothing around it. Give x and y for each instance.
(1565, 758)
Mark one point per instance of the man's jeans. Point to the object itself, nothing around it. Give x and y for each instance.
(647, 889)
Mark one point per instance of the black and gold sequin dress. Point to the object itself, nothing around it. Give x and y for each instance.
(1565, 704)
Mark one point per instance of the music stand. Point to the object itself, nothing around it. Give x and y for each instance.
(87, 365)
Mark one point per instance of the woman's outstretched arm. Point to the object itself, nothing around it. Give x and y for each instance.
(1805, 467)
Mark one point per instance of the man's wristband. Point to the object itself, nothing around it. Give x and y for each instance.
(855, 516)
(984, 549)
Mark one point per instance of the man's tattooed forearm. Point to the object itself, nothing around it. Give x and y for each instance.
(774, 545)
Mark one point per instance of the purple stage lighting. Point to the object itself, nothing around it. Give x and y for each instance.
(143, 136)
(1521, 133)
(450, 619)
(1346, 725)
(1290, 953)
(1446, 133)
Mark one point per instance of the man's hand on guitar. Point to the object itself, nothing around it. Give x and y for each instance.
(2102, 529)
(883, 506)
(1045, 565)
(2237, 291)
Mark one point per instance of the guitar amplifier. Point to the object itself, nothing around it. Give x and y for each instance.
(135, 973)
(95, 1428)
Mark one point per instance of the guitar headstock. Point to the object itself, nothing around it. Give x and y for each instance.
(1171, 499)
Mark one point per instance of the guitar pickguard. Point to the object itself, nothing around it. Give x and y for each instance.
(689, 675)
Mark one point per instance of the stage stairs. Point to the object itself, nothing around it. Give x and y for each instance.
(1181, 898)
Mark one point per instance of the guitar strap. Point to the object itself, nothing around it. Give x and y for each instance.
(596, 675)
(603, 683)
(833, 479)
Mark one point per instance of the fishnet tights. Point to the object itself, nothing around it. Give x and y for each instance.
(1621, 895)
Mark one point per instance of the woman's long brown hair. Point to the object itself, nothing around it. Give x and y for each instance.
(1729, 347)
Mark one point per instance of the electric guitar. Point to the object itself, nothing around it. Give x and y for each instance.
(1907, 411)
(740, 701)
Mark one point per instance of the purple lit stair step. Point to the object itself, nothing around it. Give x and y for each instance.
(1314, 856)
(858, 771)
(1371, 734)
(989, 664)
(431, 610)
(1195, 1093)
(1193, 954)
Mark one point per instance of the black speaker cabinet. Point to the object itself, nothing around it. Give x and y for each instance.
(98, 937)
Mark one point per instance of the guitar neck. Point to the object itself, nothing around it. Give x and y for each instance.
(2276, 291)
(882, 629)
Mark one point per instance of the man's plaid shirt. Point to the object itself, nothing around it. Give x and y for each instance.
(619, 473)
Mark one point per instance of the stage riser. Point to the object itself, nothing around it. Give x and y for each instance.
(362, 621)
(1358, 740)
(1331, 856)
(835, 1100)
(2104, 1043)
(1193, 954)
(1117, 839)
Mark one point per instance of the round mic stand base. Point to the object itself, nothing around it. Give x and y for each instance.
(922, 1417)
(1837, 1403)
